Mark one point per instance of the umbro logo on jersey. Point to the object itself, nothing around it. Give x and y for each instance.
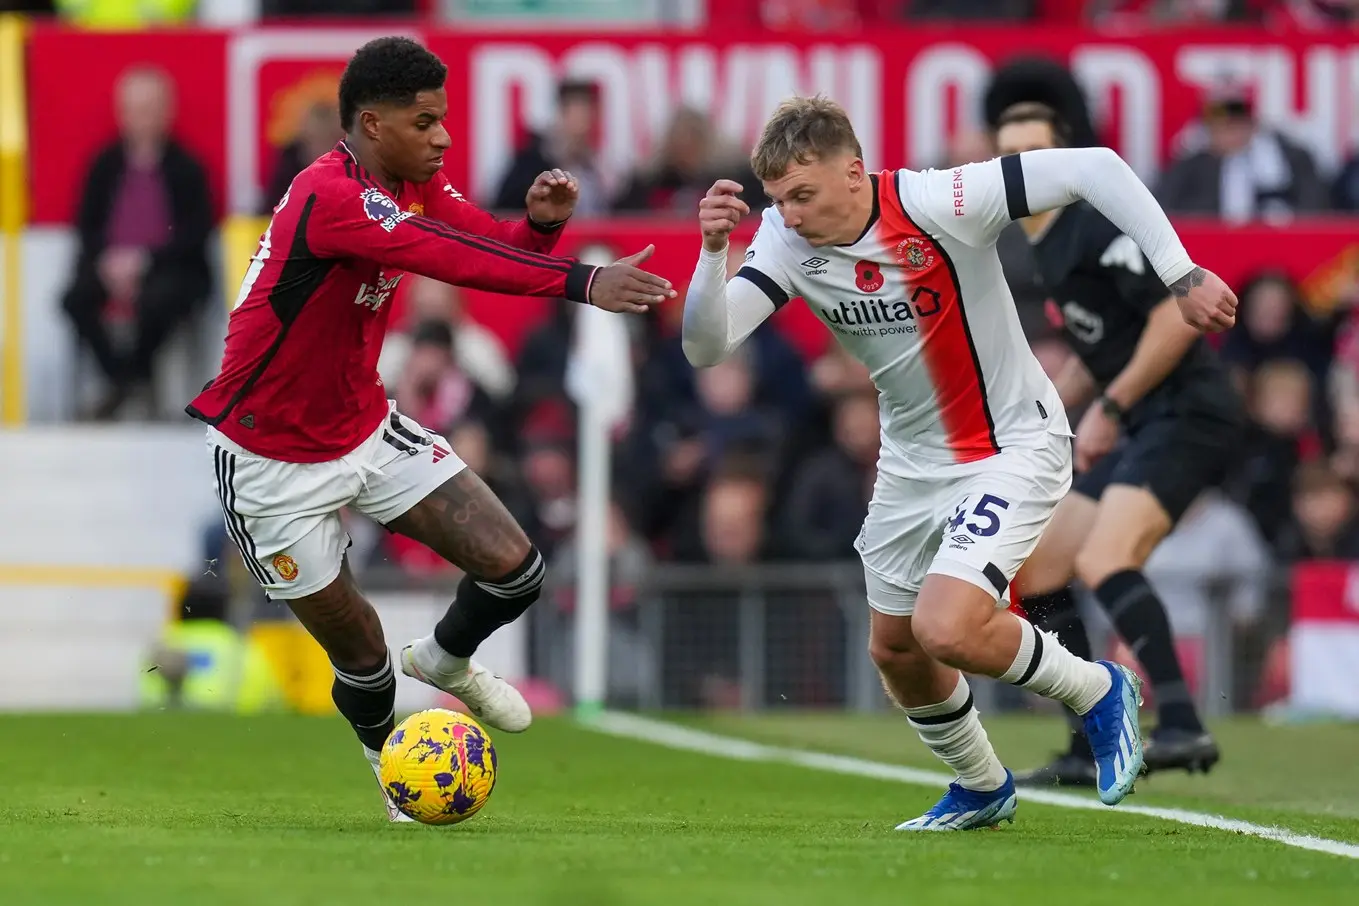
(815, 265)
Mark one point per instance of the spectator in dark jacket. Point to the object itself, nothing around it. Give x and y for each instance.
(829, 497)
(143, 224)
(570, 144)
(1241, 170)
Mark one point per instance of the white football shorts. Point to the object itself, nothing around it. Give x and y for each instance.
(285, 516)
(974, 521)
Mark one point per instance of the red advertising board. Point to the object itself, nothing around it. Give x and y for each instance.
(71, 79)
(1323, 256)
(909, 91)
(1323, 638)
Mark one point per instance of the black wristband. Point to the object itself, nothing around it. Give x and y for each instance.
(1111, 407)
(578, 281)
(546, 227)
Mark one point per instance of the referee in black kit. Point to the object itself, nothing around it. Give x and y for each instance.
(1164, 425)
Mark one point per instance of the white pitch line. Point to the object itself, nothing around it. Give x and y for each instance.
(673, 736)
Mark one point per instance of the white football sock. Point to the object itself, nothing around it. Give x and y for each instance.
(433, 659)
(954, 732)
(1044, 666)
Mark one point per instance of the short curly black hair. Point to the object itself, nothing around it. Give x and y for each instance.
(388, 71)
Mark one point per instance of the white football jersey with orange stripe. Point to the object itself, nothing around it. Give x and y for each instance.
(921, 300)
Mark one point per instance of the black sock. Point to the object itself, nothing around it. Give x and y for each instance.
(1056, 612)
(367, 699)
(1141, 620)
(484, 605)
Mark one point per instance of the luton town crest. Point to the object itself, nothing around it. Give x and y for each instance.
(915, 253)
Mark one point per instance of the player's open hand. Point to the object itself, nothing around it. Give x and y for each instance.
(1206, 303)
(720, 212)
(1096, 437)
(622, 286)
(552, 197)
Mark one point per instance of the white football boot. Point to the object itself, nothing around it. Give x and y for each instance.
(393, 813)
(486, 696)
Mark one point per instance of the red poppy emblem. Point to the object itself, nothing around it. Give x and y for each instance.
(868, 276)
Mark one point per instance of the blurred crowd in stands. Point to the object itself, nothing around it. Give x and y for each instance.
(818, 15)
(769, 456)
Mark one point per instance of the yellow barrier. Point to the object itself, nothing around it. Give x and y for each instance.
(170, 583)
(300, 665)
(13, 216)
(239, 238)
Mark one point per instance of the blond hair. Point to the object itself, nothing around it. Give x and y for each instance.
(802, 130)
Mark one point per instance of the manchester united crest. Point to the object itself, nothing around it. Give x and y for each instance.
(286, 567)
(915, 253)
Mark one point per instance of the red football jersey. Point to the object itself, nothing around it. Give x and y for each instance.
(299, 379)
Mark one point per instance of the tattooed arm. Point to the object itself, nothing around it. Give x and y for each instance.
(1182, 286)
(1206, 303)
(1052, 177)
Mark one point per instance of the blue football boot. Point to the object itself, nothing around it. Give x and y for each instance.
(1116, 736)
(964, 809)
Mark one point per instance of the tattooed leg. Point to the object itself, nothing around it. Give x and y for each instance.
(466, 524)
(346, 626)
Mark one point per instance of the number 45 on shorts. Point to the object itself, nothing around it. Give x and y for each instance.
(980, 517)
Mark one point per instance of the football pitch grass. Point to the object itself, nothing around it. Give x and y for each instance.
(194, 809)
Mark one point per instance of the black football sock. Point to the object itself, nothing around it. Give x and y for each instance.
(1057, 612)
(367, 699)
(1141, 620)
(484, 605)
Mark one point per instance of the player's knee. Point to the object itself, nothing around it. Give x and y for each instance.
(1044, 572)
(950, 618)
(519, 585)
(1130, 524)
(363, 649)
(897, 658)
(946, 642)
(945, 634)
(510, 563)
(1097, 561)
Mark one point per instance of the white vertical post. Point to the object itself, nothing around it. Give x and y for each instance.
(599, 378)
(592, 563)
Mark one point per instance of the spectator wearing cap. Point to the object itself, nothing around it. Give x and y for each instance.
(1239, 169)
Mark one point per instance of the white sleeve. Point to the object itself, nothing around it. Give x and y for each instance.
(967, 202)
(719, 313)
(973, 203)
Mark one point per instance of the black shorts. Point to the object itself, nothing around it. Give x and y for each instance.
(1174, 457)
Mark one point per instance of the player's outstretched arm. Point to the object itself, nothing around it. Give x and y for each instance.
(550, 202)
(719, 313)
(1041, 180)
(366, 224)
